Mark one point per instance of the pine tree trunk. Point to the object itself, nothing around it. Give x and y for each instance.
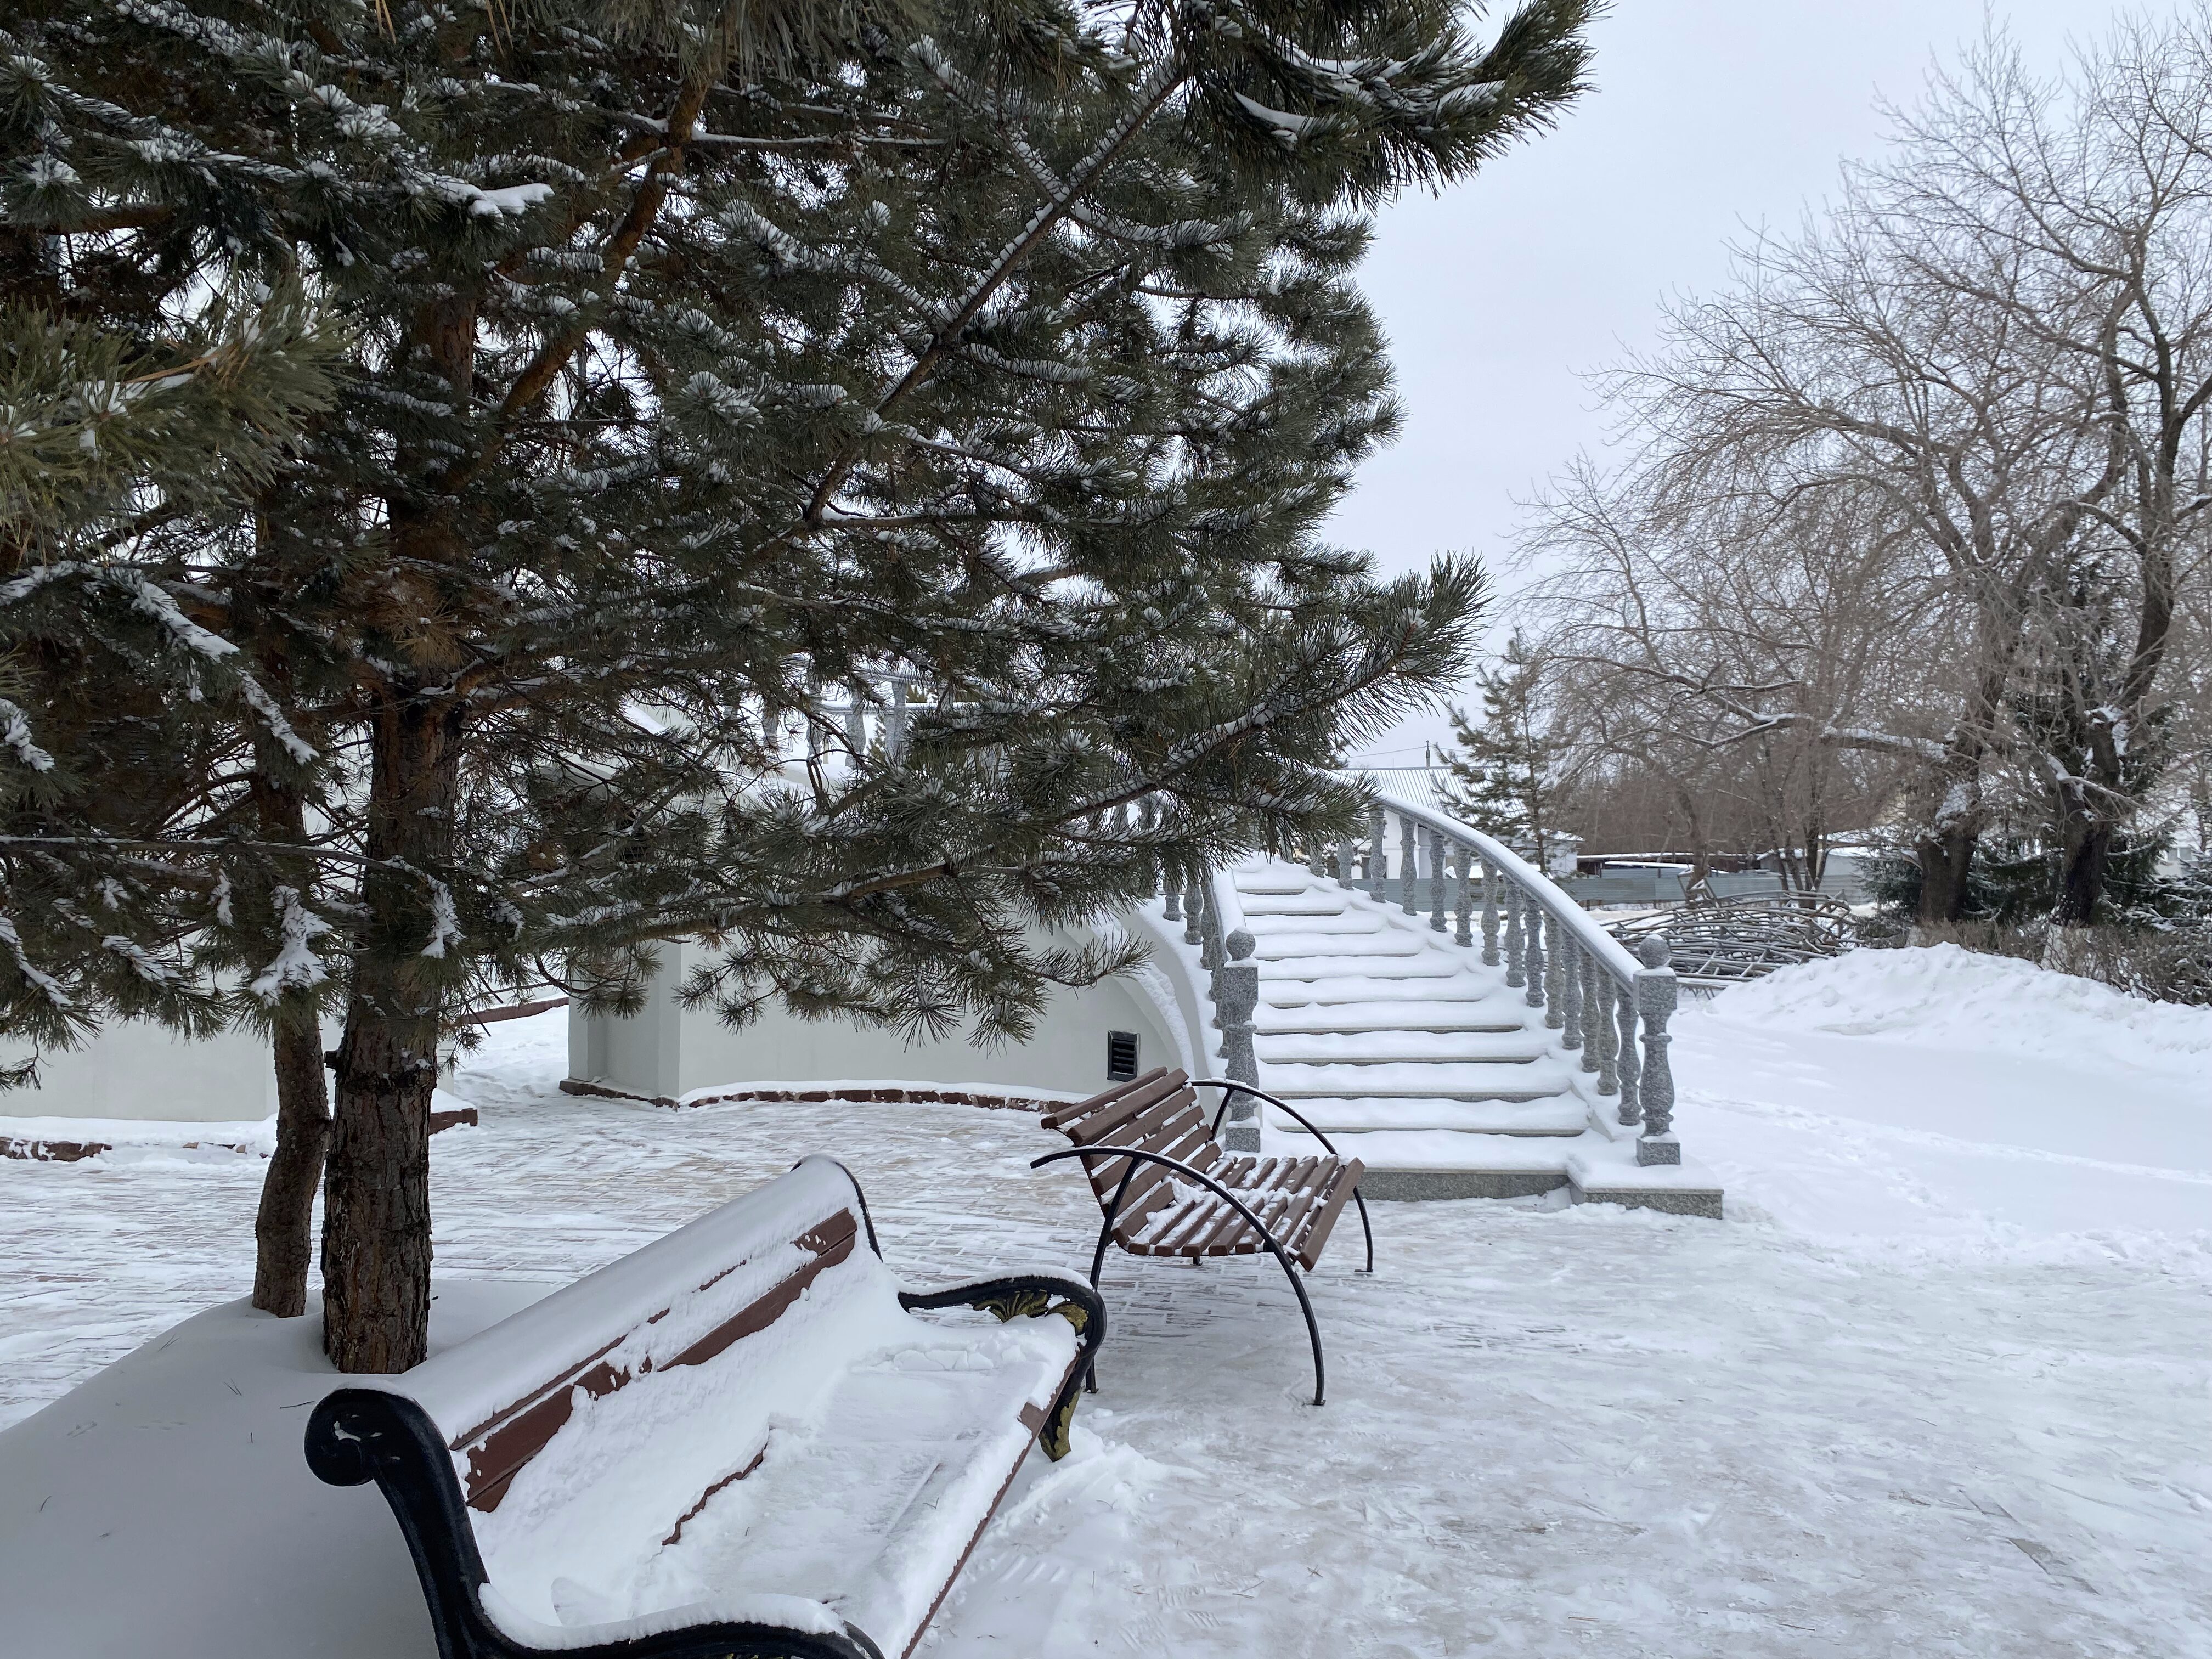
(376, 1224)
(283, 1228)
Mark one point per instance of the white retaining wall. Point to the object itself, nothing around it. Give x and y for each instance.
(134, 1069)
(667, 1053)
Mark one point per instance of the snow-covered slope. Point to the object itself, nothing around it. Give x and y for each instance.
(1936, 1099)
(1942, 997)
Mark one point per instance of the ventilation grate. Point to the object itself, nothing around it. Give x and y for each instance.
(1121, 1056)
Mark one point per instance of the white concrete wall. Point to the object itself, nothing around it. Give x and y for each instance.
(136, 1070)
(668, 1052)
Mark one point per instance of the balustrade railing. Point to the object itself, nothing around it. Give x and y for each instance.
(1610, 1007)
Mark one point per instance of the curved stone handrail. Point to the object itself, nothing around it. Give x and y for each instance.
(1606, 1002)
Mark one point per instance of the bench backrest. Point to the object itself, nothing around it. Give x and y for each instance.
(502, 1396)
(1159, 1112)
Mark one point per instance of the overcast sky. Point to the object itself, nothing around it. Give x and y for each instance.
(1708, 116)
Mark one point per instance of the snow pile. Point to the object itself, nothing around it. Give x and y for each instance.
(1933, 1100)
(1942, 997)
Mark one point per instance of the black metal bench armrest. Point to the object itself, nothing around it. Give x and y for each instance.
(1230, 1089)
(1134, 1154)
(360, 1435)
(1033, 1295)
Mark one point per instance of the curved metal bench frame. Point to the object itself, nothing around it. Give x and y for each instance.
(359, 1435)
(1114, 1214)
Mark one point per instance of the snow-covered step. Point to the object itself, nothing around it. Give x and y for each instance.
(1290, 904)
(1473, 1017)
(1274, 879)
(1340, 948)
(1371, 1047)
(1326, 926)
(1471, 1079)
(1441, 1164)
(1373, 979)
(1556, 1116)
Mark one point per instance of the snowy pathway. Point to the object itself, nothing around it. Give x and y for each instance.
(1926, 1427)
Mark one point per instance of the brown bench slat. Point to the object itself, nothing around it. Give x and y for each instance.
(1060, 1116)
(1126, 1119)
(1151, 1179)
(1076, 1122)
(1185, 1131)
(1323, 1219)
(1233, 1235)
(1163, 1121)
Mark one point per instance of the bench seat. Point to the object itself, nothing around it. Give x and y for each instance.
(748, 1426)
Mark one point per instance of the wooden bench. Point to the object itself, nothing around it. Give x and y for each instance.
(1166, 1188)
(740, 1440)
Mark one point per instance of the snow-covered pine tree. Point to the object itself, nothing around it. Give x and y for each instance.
(1503, 772)
(713, 364)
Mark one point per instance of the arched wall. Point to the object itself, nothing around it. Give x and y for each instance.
(668, 1053)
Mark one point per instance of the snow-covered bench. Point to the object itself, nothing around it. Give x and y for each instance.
(1166, 1188)
(740, 1440)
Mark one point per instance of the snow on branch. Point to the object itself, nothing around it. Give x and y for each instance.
(149, 599)
(296, 966)
(47, 985)
(16, 735)
(445, 922)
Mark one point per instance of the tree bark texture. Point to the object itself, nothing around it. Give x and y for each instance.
(283, 1228)
(376, 1194)
(376, 1221)
(2087, 843)
(1946, 856)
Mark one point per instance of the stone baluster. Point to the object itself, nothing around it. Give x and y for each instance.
(1194, 909)
(1631, 1067)
(1317, 857)
(1378, 855)
(1174, 911)
(1148, 820)
(856, 723)
(895, 732)
(1555, 1001)
(1490, 918)
(1516, 943)
(1595, 1018)
(1211, 956)
(1408, 862)
(1438, 864)
(1605, 1035)
(1532, 925)
(1655, 1003)
(1570, 951)
(1347, 863)
(1463, 892)
(1238, 1000)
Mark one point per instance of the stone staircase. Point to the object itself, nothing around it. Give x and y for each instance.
(1414, 1056)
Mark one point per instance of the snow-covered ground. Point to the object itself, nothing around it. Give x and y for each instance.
(1942, 1383)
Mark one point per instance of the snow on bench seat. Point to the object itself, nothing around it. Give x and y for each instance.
(742, 1431)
